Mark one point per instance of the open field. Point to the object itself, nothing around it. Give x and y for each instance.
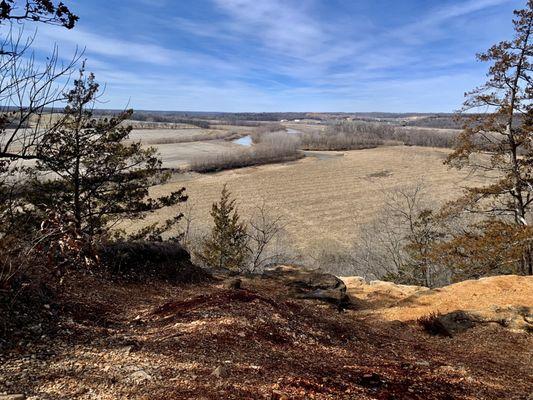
(327, 197)
(166, 136)
(179, 155)
(178, 147)
(162, 136)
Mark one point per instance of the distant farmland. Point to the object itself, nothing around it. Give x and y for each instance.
(327, 197)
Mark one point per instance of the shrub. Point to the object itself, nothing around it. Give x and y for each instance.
(274, 148)
(226, 247)
(337, 141)
(432, 324)
(12, 263)
(264, 130)
(425, 137)
(354, 133)
(194, 137)
(23, 289)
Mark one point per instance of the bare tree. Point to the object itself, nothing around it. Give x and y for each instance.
(28, 87)
(396, 244)
(265, 228)
(187, 223)
(29, 90)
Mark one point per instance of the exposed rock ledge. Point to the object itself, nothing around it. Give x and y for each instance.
(504, 300)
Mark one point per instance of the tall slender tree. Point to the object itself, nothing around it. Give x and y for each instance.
(500, 142)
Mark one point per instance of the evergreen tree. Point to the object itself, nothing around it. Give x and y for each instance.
(86, 169)
(226, 248)
(501, 144)
(37, 11)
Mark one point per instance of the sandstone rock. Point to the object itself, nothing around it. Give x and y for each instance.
(456, 322)
(12, 397)
(515, 318)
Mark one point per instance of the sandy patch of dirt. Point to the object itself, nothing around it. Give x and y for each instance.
(487, 296)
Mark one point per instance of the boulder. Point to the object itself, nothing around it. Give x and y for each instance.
(450, 324)
(307, 284)
(456, 322)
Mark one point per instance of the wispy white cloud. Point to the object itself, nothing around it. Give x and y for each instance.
(95, 44)
(268, 55)
(107, 46)
(427, 28)
(304, 46)
(281, 25)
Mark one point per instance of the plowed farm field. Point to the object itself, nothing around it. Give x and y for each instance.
(326, 197)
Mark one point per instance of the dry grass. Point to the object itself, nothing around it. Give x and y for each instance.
(275, 147)
(179, 155)
(178, 147)
(169, 136)
(325, 199)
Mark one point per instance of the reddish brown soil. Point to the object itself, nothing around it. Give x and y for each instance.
(157, 341)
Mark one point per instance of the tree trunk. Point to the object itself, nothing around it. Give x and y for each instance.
(528, 262)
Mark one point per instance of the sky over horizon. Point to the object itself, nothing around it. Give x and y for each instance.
(284, 55)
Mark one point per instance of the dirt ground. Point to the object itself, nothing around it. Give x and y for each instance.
(158, 341)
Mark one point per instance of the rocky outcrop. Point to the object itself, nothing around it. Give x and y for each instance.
(378, 294)
(307, 284)
(506, 301)
(514, 318)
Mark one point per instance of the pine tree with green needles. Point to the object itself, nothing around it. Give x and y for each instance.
(226, 247)
(89, 170)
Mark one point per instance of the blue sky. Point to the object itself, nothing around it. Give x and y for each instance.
(285, 55)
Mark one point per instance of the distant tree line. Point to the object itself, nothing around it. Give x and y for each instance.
(168, 118)
(452, 121)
